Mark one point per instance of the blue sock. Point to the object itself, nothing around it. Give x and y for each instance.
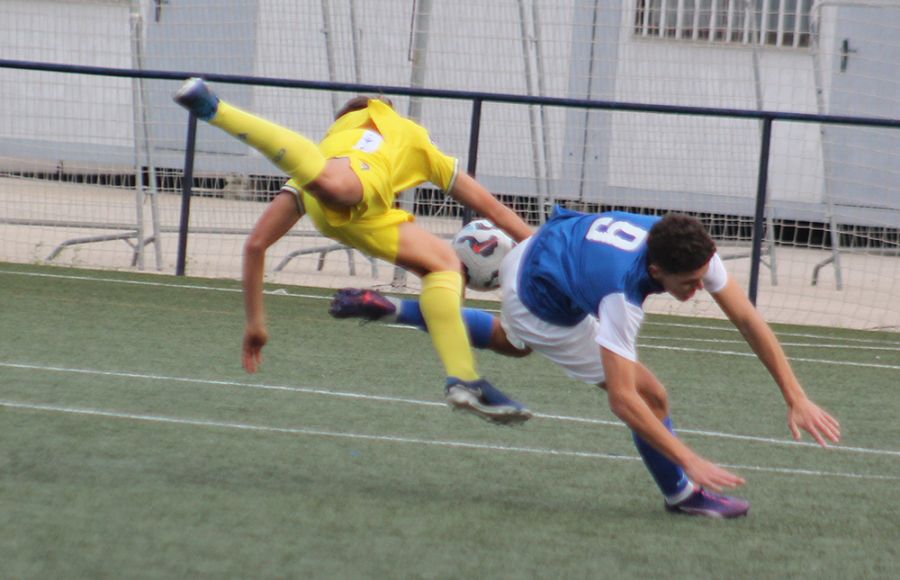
(479, 323)
(668, 475)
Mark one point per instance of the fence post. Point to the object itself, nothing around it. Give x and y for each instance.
(474, 130)
(187, 181)
(762, 183)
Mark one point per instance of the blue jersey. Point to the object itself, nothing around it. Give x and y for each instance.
(575, 260)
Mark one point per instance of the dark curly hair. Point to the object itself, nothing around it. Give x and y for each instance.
(679, 243)
(361, 102)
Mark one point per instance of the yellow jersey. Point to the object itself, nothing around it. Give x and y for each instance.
(389, 153)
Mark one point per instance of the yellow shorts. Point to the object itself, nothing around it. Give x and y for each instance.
(371, 226)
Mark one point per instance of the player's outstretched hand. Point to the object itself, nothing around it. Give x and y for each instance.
(711, 476)
(255, 338)
(814, 420)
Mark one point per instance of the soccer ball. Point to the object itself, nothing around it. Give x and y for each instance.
(481, 246)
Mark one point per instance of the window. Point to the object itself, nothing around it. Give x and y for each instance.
(766, 22)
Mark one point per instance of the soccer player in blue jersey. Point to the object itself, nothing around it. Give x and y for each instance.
(574, 293)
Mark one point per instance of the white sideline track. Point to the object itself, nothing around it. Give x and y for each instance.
(844, 342)
(405, 440)
(389, 399)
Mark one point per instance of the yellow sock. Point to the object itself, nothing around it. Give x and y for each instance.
(441, 303)
(291, 152)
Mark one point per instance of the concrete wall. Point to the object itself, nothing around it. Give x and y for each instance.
(608, 157)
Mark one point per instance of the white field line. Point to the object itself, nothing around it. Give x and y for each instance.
(796, 344)
(893, 344)
(721, 435)
(398, 439)
(130, 282)
(303, 431)
(641, 344)
(223, 383)
(890, 345)
(793, 358)
(381, 398)
(733, 353)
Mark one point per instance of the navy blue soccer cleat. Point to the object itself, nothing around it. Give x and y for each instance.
(712, 505)
(486, 401)
(358, 303)
(196, 97)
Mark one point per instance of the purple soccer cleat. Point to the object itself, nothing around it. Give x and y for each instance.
(712, 505)
(359, 303)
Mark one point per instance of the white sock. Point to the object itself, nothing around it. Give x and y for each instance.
(683, 494)
(392, 317)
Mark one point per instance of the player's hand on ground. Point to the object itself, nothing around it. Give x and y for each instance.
(814, 420)
(711, 476)
(255, 338)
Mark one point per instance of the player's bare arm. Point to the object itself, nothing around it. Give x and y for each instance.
(278, 218)
(802, 412)
(475, 196)
(627, 404)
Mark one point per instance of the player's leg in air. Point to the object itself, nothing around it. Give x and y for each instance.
(485, 331)
(333, 182)
(483, 328)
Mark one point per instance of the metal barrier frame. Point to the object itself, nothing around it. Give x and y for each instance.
(477, 99)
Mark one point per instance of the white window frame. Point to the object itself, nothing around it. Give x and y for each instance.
(779, 23)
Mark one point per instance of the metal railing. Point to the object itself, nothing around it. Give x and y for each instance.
(477, 99)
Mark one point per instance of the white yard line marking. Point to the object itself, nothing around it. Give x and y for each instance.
(793, 358)
(641, 344)
(303, 431)
(722, 435)
(794, 334)
(381, 398)
(795, 344)
(276, 292)
(306, 390)
(399, 439)
(118, 281)
(282, 292)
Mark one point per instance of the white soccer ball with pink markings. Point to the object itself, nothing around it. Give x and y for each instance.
(481, 246)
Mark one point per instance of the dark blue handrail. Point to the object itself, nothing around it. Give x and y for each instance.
(478, 98)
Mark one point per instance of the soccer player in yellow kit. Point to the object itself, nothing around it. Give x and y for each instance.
(347, 185)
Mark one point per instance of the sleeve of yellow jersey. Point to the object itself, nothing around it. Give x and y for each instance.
(440, 169)
(443, 167)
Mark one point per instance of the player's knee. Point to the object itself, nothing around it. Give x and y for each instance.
(501, 345)
(507, 349)
(518, 352)
(255, 245)
(444, 259)
(423, 252)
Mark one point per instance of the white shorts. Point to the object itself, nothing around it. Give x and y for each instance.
(574, 348)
